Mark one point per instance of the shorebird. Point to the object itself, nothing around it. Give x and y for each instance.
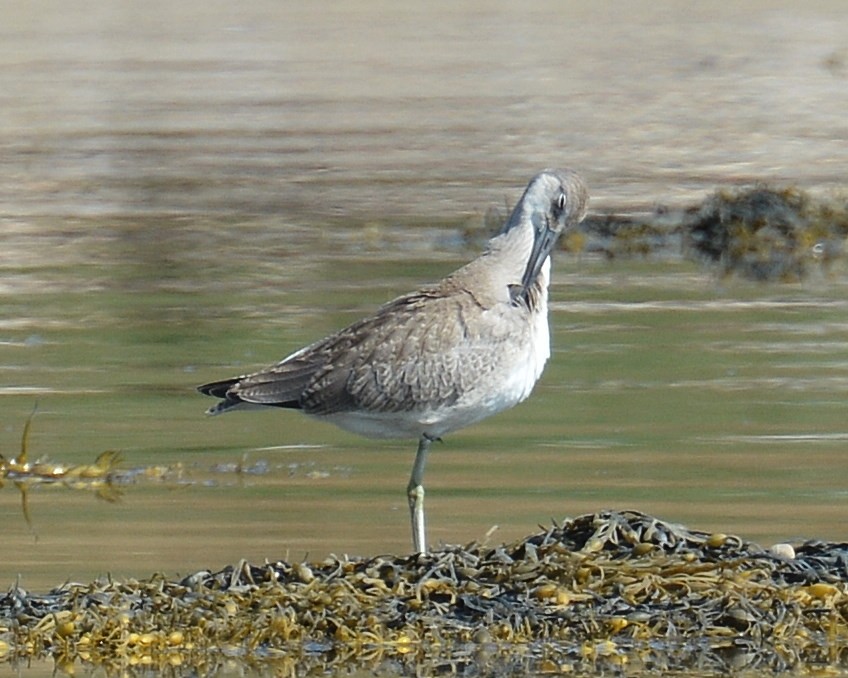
(440, 358)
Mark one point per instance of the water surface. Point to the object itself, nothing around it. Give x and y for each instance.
(716, 405)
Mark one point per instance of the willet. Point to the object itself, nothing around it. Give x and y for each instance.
(438, 359)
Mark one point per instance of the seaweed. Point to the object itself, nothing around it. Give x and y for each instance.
(599, 592)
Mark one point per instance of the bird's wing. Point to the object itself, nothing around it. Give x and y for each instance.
(281, 385)
(423, 350)
(416, 351)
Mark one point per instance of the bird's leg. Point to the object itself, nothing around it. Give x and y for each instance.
(415, 494)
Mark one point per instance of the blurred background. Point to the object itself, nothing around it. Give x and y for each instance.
(192, 190)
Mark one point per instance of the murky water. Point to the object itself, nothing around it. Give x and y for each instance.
(190, 191)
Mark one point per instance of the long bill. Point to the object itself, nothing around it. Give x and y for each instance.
(542, 247)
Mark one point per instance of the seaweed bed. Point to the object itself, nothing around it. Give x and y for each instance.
(609, 592)
(759, 233)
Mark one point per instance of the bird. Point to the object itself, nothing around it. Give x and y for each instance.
(438, 359)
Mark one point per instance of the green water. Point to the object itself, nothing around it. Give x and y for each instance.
(716, 404)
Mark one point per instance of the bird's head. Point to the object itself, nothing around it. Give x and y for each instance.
(554, 201)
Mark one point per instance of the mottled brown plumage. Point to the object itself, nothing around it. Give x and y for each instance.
(438, 359)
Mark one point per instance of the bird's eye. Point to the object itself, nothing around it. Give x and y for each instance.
(561, 201)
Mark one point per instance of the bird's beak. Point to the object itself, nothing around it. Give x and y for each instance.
(542, 247)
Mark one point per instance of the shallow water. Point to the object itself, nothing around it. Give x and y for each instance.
(192, 191)
(716, 405)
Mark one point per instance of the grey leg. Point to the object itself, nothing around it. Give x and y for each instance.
(415, 494)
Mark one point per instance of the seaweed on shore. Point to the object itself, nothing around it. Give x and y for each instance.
(600, 592)
(765, 233)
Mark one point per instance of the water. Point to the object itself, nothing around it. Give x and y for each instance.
(195, 190)
(719, 406)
